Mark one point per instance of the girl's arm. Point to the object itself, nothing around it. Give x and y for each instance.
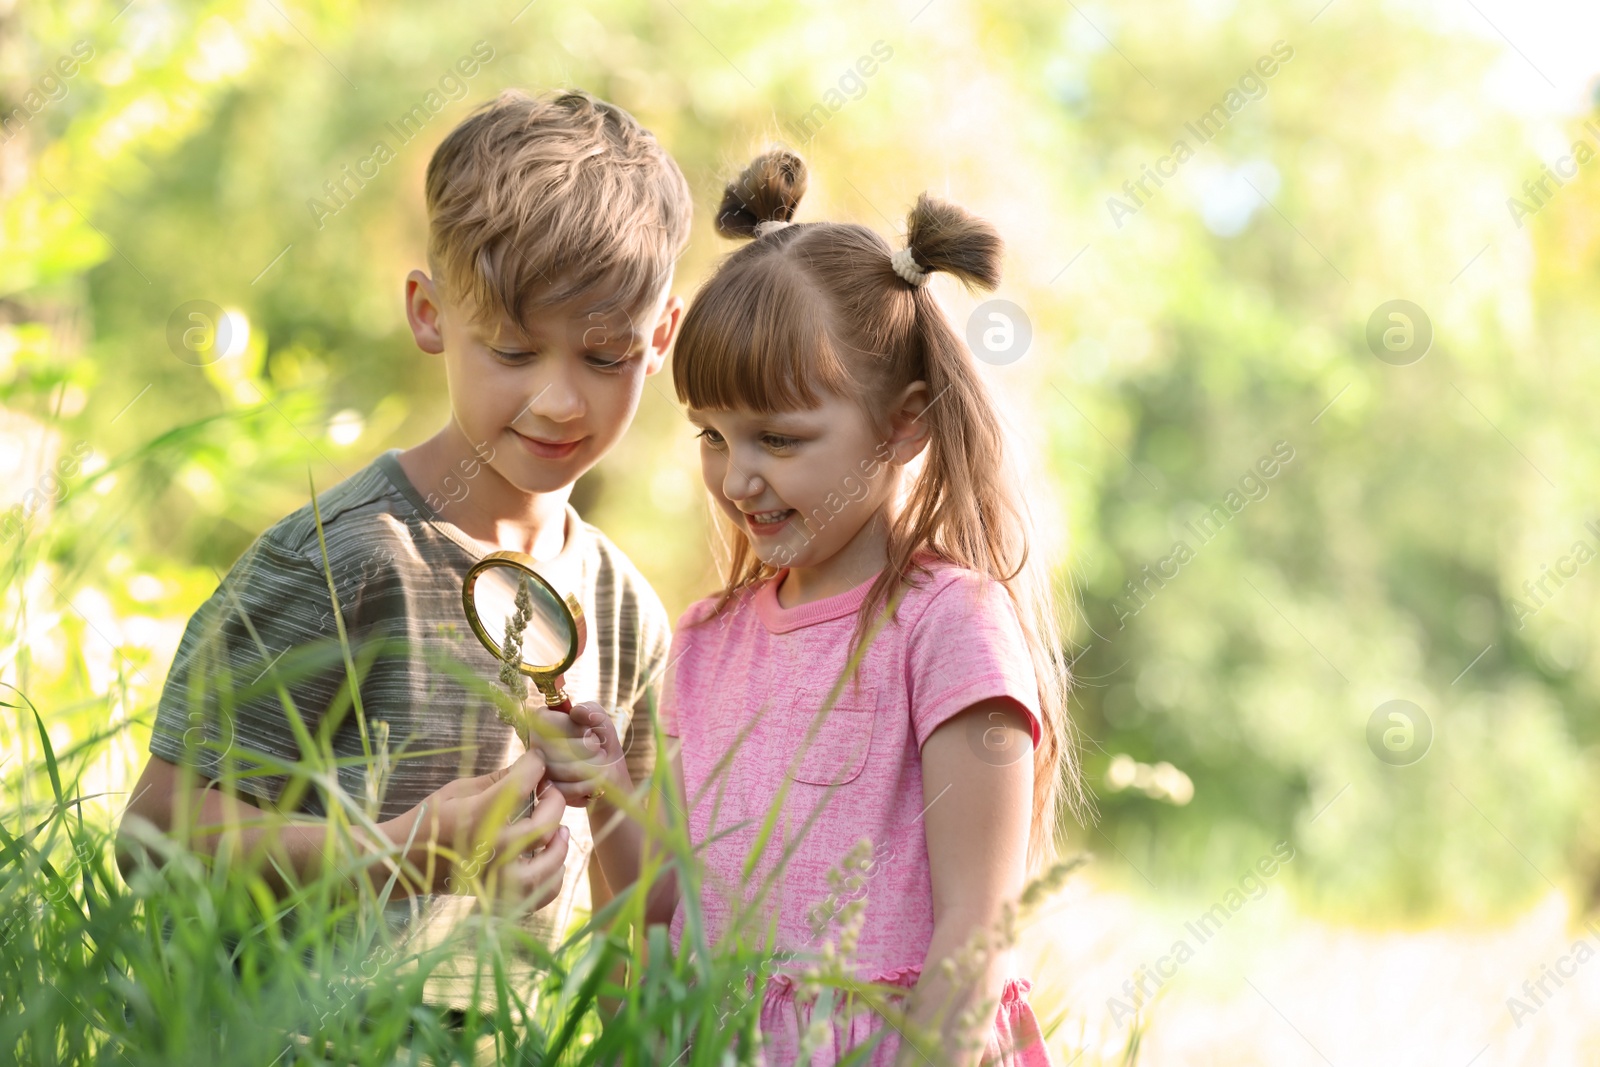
(623, 846)
(977, 824)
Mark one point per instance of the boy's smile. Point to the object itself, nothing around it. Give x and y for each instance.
(549, 449)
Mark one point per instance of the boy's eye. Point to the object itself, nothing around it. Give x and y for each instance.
(512, 357)
(608, 361)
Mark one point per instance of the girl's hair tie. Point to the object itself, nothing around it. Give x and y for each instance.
(764, 228)
(906, 266)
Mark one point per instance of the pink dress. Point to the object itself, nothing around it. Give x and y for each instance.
(764, 671)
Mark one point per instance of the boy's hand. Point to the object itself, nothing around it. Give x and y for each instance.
(581, 751)
(462, 833)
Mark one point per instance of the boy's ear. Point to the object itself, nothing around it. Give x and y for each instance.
(908, 432)
(665, 333)
(424, 313)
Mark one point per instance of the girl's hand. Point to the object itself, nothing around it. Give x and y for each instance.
(581, 751)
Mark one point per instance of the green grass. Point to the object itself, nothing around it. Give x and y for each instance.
(191, 959)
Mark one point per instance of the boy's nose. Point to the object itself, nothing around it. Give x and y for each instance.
(557, 398)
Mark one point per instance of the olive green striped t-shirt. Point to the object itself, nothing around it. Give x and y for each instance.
(269, 632)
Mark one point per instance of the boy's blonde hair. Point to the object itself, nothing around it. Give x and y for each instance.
(536, 201)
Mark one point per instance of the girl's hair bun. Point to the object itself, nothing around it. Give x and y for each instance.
(769, 190)
(948, 238)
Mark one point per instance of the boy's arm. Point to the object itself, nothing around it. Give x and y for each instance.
(252, 681)
(169, 797)
(255, 683)
(639, 747)
(457, 834)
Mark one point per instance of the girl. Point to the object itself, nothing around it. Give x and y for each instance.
(882, 667)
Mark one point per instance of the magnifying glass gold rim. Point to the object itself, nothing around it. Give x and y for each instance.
(524, 563)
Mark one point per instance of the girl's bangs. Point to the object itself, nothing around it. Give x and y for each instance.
(756, 338)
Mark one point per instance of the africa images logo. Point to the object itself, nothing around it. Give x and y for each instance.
(1147, 980)
(1204, 128)
(1253, 485)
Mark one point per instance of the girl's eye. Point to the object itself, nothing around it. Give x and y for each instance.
(778, 441)
(710, 437)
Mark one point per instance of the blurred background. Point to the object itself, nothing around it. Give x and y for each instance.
(1297, 338)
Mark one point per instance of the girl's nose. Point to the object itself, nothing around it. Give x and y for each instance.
(738, 484)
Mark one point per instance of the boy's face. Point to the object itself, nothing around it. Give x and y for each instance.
(550, 399)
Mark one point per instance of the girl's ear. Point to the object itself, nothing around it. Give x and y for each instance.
(908, 432)
(665, 333)
(423, 312)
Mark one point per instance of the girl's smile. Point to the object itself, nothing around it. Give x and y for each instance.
(767, 523)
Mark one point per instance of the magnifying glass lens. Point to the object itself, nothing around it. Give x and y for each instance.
(510, 606)
(547, 632)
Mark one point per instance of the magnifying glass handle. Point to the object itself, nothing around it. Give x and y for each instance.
(554, 693)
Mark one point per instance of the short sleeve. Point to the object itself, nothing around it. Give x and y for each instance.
(683, 638)
(968, 646)
(268, 624)
(655, 642)
(669, 695)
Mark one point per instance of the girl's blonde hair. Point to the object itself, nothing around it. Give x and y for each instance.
(818, 305)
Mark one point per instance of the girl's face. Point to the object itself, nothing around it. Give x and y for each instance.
(802, 484)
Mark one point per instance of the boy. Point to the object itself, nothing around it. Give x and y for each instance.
(554, 224)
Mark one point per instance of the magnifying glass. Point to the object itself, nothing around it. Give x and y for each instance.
(530, 628)
(503, 590)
